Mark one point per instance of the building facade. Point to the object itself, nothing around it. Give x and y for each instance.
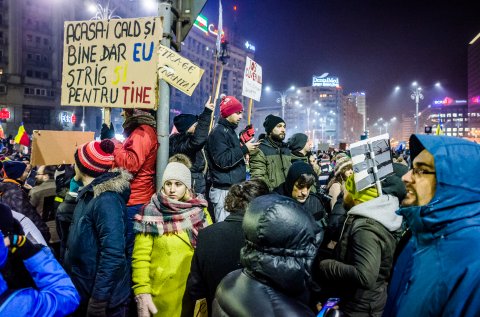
(360, 101)
(474, 88)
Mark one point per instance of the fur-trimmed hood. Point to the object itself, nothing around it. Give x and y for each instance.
(116, 180)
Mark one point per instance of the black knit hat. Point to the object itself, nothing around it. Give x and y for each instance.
(297, 169)
(184, 121)
(14, 169)
(297, 142)
(271, 122)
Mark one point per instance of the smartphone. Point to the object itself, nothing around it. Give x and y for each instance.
(31, 177)
(330, 303)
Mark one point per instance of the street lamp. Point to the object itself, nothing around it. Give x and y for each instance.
(387, 123)
(416, 96)
(283, 95)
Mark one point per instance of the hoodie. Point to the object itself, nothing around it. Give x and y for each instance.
(442, 259)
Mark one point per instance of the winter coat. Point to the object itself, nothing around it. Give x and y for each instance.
(216, 255)
(38, 194)
(12, 194)
(442, 269)
(160, 265)
(225, 155)
(191, 144)
(270, 162)
(360, 272)
(281, 243)
(54, 295)
(96, 251)
(67, 207)
(138, 155)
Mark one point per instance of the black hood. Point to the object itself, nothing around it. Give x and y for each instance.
(281, 242)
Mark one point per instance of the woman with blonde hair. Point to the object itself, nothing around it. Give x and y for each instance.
(166, 236)
(343, 169)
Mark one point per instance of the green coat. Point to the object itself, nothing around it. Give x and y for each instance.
(270, 163)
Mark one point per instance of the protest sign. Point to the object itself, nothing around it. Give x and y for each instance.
(252, 80)
(372, 161)
(57, 147)
(111, 63)
(178, 71)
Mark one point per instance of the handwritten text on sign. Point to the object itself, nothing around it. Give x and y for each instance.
(111, 63)
(178, 71)
(252, 80)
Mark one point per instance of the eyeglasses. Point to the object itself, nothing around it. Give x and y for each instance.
(419, 172)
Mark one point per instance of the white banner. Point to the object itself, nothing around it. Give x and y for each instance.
(252, 80)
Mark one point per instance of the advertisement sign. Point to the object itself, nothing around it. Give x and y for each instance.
(325, 81)
(178, 71)
(111, 63)
(252, 80)
(372, 160)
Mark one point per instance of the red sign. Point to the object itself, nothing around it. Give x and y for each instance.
(4, 114)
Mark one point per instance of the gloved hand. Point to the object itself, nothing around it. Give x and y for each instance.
(21, 247)
(106, 132)
(145, 305)
(96, 308)
(247, 134)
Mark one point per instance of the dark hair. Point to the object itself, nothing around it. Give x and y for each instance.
(305, 180)
(50, 170)
(241, 194)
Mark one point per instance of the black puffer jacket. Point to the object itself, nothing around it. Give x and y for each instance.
(12, 194)
(281, 243)
(225, 155)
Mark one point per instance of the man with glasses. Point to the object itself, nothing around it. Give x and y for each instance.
(438, 271)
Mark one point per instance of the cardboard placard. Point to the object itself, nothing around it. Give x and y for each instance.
(252, 80)
(57, 147)
(111, 63)
(178, 71)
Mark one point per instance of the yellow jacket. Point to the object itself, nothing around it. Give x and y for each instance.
(160, 266)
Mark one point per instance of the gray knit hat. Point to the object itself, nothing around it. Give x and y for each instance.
(179, 172)
(342, 164)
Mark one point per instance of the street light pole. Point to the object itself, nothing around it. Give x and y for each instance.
(416, 96)
(283, 97)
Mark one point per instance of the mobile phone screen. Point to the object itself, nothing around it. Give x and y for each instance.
(331, 302)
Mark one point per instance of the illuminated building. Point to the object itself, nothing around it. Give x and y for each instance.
(474, 87)
(360, 102)
(451, 114)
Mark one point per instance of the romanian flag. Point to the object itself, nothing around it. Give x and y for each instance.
(22, 136)
(439, 130)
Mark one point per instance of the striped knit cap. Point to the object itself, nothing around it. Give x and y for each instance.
(95, 158)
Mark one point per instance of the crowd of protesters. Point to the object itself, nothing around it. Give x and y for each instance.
(240, 226)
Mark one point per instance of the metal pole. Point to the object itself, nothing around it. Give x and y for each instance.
(284, 101)
(163, 111)
(416, 111)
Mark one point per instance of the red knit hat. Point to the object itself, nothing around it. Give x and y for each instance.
(229, 105)
(95, 158)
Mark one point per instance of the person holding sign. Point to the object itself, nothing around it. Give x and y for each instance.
(137, 154)
(190, 140)
(363, 257)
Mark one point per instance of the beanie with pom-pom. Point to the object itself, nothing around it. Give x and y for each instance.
(229, 105)
(95, 158)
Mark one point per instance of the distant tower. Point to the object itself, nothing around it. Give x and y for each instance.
(360, 103)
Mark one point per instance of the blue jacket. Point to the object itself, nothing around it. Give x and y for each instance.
(441, 264)
(55, 294)
(96, 250)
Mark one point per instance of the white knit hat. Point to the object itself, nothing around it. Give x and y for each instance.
(179, 172)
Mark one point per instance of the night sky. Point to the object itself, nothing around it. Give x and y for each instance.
(371, 46)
